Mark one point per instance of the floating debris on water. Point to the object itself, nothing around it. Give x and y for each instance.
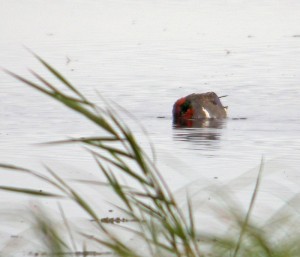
(114, 220)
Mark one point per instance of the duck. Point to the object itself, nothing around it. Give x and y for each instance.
(199, 106)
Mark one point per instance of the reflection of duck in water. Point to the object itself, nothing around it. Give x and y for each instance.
(194, 107)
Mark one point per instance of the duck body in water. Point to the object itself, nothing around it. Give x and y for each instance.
(199, 106)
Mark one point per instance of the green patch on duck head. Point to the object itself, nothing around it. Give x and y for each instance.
(185, 106)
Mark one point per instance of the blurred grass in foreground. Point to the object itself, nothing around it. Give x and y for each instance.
(160, 227)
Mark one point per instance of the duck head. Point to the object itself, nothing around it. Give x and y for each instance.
(199, 106)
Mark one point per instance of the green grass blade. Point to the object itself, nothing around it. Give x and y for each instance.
(29, 83)
(60, 77)
(253, 198)
(32, 192)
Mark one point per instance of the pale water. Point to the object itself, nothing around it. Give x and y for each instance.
(144, 56)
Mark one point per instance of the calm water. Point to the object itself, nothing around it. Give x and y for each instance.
(145, 55)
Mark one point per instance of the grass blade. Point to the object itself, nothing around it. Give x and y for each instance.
(253, 198)
(30, 192)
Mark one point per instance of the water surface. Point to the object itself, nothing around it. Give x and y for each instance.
(144, 56)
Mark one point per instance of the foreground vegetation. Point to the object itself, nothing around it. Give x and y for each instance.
(160, 226)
